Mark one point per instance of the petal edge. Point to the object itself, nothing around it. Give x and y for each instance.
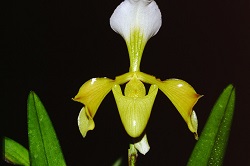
(184, 97)
(85, 122)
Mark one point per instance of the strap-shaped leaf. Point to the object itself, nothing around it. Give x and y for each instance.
(211, 147)
(15, 153)
(43, 144)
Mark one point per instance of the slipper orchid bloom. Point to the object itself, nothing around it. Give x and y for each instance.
(136, 21)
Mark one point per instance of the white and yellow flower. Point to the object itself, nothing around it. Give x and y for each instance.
(136, 21)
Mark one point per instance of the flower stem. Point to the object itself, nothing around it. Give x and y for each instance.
(132, 155)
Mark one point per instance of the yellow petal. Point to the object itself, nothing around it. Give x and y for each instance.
(134, 111)
(184, 97)
(142, 146)
(85, 121)
(93, 92)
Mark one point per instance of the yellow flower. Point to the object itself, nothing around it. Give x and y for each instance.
(136, 21)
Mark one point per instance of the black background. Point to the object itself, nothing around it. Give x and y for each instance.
(53, 47)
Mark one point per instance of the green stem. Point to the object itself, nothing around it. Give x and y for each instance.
(132, 155)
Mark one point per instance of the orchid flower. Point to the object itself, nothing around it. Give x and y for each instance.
(136, 21)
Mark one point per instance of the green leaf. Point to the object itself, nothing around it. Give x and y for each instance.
(43, 143)
(15, 153)
(118, 162)
(211, 147)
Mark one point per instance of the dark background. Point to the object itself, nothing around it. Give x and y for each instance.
(53, 47)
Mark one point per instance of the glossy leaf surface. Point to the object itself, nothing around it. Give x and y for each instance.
(211, 147)
(15, 153)
(43, 143)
